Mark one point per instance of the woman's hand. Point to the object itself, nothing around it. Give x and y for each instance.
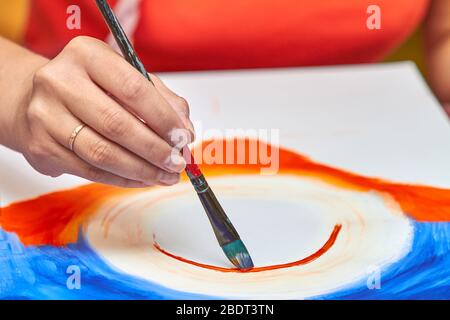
(447, 109)
(88, 83)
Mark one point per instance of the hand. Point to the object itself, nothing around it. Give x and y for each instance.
(127, 139)
(447, 108)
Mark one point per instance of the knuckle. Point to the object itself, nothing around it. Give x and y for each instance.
(134, 87)
(43, 77)
(94, 174)
(146, 174)
(80, 43)
(100, 152)
(76, 46)
(43, 159)
(79, 40)
(82, 47)
(49, 80)
(37, 150)
(37, 112)
(183, 105)
(159, 175)
(113, 124)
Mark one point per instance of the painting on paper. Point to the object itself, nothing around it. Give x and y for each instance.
(333, 234)
(359, 207)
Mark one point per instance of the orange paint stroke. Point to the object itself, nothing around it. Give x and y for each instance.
(331, 240)
(55, 218)
(423, 203)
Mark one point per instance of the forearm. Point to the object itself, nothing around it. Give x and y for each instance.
(17, 66)
(438, 49)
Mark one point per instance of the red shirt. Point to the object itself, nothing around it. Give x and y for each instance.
(217, 34)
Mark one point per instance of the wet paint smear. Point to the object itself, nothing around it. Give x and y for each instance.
(328, 244)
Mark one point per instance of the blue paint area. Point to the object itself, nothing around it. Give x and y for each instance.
(40, 273)
(424, 273)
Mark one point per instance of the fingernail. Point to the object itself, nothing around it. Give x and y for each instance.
(175, 163)
(169, 178)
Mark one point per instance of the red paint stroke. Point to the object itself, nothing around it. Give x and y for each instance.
(55, 218)
(331, 240)
(191, 167)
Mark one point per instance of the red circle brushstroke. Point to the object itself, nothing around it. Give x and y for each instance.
(328, 244)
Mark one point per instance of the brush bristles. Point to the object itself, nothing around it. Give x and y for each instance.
(238, 255)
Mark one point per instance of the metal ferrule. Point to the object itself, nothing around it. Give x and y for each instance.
(200, 184)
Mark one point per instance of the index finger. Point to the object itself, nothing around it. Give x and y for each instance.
(116, 76)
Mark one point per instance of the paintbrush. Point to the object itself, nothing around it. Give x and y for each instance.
(226, 234)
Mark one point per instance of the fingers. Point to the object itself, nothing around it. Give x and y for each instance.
(447, 108)
(50, 158)
(78, 167)
(133, 134)
(179, 104)
(132, 89)
(103, 154)
(106, 156)
(109, 119)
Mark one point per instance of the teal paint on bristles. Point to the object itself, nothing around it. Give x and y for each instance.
(238, 254)
(226, 234)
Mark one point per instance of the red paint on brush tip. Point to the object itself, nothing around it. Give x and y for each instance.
(191, 167)
(330, 242)
(194, 170)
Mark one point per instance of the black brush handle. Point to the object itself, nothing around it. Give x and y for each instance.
(121, 38)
